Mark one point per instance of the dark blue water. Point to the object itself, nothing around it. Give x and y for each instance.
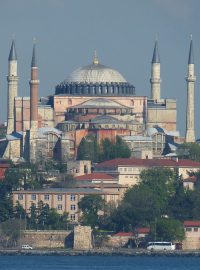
(98, 263)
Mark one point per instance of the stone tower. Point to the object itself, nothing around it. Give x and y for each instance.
(190, 79)
(34, 85)
(12, 79)
(155, 74)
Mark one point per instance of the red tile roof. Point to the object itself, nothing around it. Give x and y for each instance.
(95, 176)
(3, 168)
(191, 223)
(143, 230)
(149, 163)
(129, 234)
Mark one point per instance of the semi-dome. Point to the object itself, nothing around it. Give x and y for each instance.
(95, 79)
(95, 73)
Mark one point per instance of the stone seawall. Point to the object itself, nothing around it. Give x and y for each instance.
(98, 252)
(46, 239)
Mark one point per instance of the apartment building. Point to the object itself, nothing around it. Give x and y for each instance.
(61, 199)
(128, 170)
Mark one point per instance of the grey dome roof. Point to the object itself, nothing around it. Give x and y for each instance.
(95, 73)
(106, 119)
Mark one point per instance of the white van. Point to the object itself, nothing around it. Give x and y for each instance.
(26, 247)
(160, 246)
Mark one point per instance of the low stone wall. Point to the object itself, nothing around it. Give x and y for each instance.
(191, 243)
(117, 241)
(47, 239)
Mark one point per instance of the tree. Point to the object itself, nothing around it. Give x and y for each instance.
(32, 217)
(161, 183)
(90, 205)
(168, 229)
(10, 232)
(148, 200)
(90, 150)
(138, 208)
(66, 181)
(19, 211)
(189, 151)
(22, 176)
(45, 218)
(6, 206)
(107, 150)
(121, 148)
(55, 165)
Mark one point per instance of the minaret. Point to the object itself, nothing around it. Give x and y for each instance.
(34, 85)
(12, 79)
(190, 79)
(155, 74)
(33, 133)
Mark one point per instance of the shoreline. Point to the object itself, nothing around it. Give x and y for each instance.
(97, 252)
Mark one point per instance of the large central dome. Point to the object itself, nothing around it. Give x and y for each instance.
(95, 73)
(95, 80)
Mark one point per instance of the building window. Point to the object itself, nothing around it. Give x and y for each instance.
(72, 217)
(33, 197)
(73, 207)
(20, 197)
(59, 206)
(188, 229)
(46, 197)
(195, 229)
(72, 197)
(59, 197)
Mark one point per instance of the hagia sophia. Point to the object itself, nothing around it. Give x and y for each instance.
(94, 99)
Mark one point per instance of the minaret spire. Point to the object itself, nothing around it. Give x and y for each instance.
(190, 79)
(155, 74)
(34, 62)
(156, 57)
(191, 55)
(12, 79)
(12, 54)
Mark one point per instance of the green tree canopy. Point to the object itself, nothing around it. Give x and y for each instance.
(42, 217)
(10, 232)
(148, 200)
(168, 229)
(90, 206)
(90, 150)
(189, 151)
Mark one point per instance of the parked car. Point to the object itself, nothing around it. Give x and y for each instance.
(26, 247)
(153, 246)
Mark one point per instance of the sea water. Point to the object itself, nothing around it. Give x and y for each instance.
(99, 263)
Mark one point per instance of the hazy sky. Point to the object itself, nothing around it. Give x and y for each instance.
(123, 33)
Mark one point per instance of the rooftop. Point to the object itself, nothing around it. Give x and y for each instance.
(191, 223)
(95, 73)
(61, 190)
(148, 163)
(95, 176)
